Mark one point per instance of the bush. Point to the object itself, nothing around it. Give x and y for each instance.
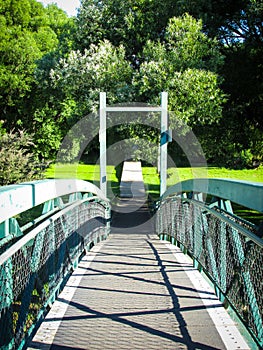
(242, 160)
(18, 162)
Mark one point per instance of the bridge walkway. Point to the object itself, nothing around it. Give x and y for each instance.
(134, 291)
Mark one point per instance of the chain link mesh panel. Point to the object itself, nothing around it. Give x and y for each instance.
(32, 275)
(218, 241)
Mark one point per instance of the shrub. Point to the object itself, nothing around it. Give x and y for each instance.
(18, 162)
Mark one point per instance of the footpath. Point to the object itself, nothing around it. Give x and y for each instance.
(134, 291)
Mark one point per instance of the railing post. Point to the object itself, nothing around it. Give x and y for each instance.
(223, 257)
(107, 218)
(103, 147)
(4, 229)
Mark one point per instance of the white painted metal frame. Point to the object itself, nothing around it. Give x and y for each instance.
(163, 144)
(163, 109)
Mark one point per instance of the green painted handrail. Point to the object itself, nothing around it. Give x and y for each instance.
(37, 258)
(227, 248)
(245, 193)
(16, 199)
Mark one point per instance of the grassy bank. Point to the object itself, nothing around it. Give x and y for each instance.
(175, 175)
(150, 175)
(85, 172)
(152, 182)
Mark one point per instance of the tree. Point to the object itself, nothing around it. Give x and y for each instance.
(238, 26)
(127, 23)
(81, 76)
(72, 87)
(27, 33)
(231, 21)
(184, 65)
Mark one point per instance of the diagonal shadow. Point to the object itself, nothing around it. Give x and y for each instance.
(42, 345)
(119, 317)
(88, 313)
(176, 305)
(128, 275)
(148, 293)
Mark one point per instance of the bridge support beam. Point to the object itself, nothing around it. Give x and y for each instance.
(165, 136)
(103, 145)
(163, 143)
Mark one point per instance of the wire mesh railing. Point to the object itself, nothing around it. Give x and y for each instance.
(225, 247)
(34, 268)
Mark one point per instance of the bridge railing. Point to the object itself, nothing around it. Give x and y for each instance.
(227, 248)
(37, 257)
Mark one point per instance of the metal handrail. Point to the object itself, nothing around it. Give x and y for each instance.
(246, 193)
(250, 235)
(220, 243)
(15, 199)
(35, 263)
(32, 234)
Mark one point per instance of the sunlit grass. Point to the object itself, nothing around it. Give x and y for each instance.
(174, 175)
(151, 178)
(152, 181)
(180, 174)
(74, 171)
(85, 172)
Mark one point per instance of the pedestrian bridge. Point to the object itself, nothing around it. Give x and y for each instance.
(77, 272)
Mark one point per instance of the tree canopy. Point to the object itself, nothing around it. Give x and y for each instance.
(28, 32)
(185, 66)
(206, 54)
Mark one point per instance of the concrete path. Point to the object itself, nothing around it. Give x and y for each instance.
(132, 185)
(134, 291)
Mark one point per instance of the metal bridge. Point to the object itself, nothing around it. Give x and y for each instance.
(79, 273)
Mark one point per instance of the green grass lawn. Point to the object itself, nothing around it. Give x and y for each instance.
(85, 172)
(175, 175)
(151, 178)
(152, 182)
(179, 174)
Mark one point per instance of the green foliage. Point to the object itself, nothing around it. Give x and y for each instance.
(227, 142)
(27, 33)
(183, 66)
(231, 22)
(238, 27)
(189, 47)
(17, 161)
(47, 134)
(52, 68)
(127, 23)
(75, 82)
(81, 76)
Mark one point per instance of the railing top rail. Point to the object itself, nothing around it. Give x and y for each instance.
(15, 199)
(33, 233)
(246, 193)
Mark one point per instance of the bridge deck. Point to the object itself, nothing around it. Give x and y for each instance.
(134, 291)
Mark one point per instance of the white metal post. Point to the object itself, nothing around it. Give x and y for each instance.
(103, 145)
(163, 143)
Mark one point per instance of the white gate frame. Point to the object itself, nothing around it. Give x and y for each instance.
(163, 109)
